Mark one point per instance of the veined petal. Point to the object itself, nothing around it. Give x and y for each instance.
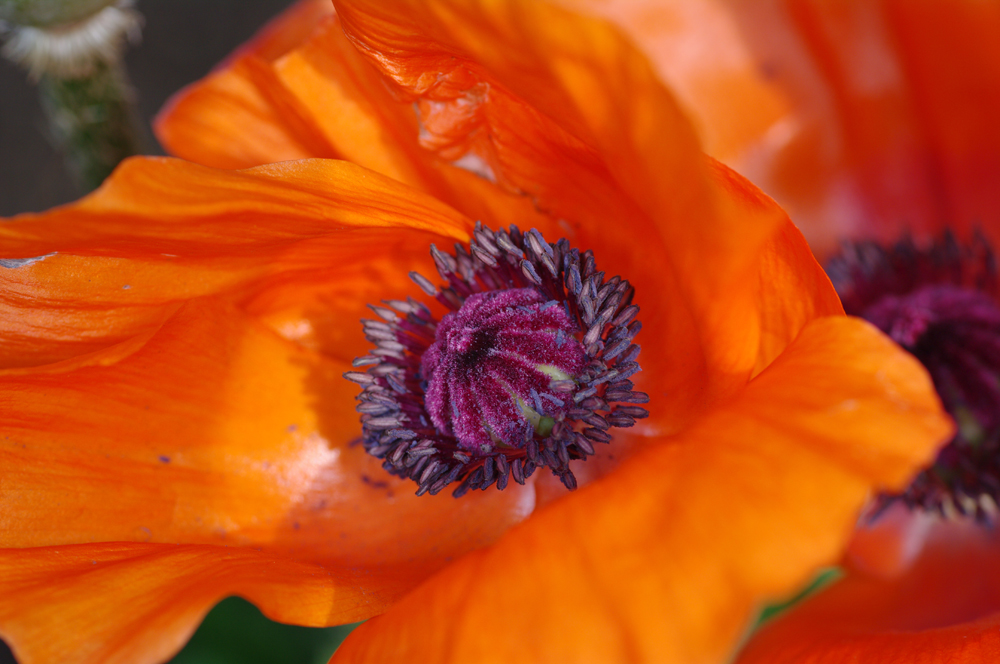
(564, 109)
(943, 609)
(699, 49)
(238, 117)
(131, 603)
(742, 507)
(715, 321)
(325, 99)
(161, 231)
(217, 431)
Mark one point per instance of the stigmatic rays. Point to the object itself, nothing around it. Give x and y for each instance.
(530, 367)
(940, 303)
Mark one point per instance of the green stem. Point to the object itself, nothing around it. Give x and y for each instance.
(92, 120)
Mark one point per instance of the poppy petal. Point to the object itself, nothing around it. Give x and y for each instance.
(161, 231)
(138, 603)
(324, 99)
(889, 545)
(862, 118)
(541, 97)
(287, 30)
(698, 48)
(238, 117)
(943, 609)
(217, 430)
(536, 156)
(665, 559)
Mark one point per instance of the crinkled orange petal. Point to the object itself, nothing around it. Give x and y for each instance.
(665, 559)
(133, 603)
(530, 154)
(161, 231)
(218, 431)
(238, 117)
(351, 106)
(944, 609)
(562, 108)
(324, 99)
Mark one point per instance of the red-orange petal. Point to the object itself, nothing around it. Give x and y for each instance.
(218, 431)
(161, 231)
(665, 559)
(130, 603)
(889, 545)
(698, 48)
(563, 108)
(862, 118)
(240, 116)
(944, 609)
(288, 30)
(724, 321)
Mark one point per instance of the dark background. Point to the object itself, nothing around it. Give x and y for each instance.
(181, 41)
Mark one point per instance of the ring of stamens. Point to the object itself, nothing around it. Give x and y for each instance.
(404, 419)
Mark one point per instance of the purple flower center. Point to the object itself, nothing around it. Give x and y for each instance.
(531, 366)
(938, 302)
(490, 367)
(955, 333)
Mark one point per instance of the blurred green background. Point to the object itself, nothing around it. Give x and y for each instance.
(181, 41)
(235, 631)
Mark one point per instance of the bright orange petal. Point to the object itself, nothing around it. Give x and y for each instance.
(162, 231)
(561, 107)
(125, 603)
(219, 431)
(728, 320)
(698, 49)
(324, 99)
(945, 609)
(238, 117)
(288, 30)
(742, 507)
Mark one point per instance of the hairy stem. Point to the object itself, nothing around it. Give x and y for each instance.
(93, 120)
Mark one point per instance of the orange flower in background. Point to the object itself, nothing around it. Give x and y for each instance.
(178, 429)
(862, 119)
(944, 609)
(876, 121)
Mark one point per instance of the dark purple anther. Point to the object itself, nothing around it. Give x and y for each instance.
(529, 368)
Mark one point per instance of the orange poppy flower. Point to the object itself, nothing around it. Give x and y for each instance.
(876, 120)
(178, 430)
(861, 118)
